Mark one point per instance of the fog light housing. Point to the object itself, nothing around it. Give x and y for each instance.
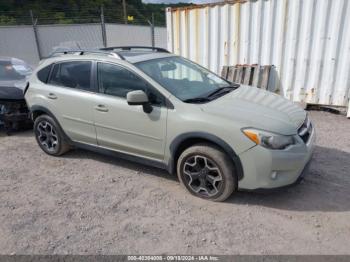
(274, 175)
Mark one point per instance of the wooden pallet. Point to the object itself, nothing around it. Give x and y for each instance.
(253, 75)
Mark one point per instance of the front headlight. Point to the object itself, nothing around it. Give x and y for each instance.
(269, 140)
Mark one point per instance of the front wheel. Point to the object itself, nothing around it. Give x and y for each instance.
(207, 172)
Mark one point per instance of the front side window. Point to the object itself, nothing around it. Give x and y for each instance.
(75, 74)
(117, 81)
(184, 79)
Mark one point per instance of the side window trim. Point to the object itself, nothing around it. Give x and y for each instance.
(98, 80)
(92, 80)
(93, 77)
(100, 91)
(50, 74)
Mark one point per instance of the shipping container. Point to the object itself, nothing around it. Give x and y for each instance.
(308, 42)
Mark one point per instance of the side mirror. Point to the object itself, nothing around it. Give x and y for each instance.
(137, 98)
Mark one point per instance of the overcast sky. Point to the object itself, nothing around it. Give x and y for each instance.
(182, 1)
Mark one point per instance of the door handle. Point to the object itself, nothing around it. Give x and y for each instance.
(52, 96)
(101, 108)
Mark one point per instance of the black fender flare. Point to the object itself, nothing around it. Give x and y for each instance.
(49, 113)
(174, 146)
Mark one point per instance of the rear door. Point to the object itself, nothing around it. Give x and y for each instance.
(71, 93)
(126, 128)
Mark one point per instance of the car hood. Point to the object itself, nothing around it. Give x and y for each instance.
(12, 90)
(253, 107)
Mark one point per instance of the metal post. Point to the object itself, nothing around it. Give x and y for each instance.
(34, 22)
(124, 12)
(152, 30)
(152, 33)
(103, 28)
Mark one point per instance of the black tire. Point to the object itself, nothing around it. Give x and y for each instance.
(218, 166)
(49, 136)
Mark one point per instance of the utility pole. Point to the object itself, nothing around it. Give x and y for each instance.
(124, 12)
(103, 27)
(152, 31)
(34, 22)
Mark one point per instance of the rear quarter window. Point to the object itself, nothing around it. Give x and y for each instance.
(73, 74)
(43, 74)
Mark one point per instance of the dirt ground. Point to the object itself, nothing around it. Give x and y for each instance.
(85, 203)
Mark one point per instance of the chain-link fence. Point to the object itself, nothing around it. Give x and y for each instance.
(132, 12)
(38, 35)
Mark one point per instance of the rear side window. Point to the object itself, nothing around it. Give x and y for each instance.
(75, 74)
(43, 74)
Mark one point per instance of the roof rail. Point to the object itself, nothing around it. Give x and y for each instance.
(129, 48)
(85, 51)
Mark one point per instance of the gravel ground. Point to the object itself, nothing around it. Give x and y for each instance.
(85, 203)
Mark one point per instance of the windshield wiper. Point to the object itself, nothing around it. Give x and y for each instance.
(222, 90)
(197, 100)
(212, 95)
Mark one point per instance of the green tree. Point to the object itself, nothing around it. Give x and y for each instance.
(79, 11)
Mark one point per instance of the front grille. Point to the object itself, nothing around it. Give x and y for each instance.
(305, 130)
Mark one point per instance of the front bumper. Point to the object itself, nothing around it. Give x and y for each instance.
(268, 169)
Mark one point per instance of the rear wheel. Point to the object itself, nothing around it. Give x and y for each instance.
(49, 136)
(206, 172)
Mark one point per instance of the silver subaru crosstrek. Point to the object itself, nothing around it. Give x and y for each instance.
(151, 106)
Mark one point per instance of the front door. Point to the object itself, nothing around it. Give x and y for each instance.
(126, 128)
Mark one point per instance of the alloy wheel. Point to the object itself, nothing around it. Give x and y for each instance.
(47, 136)
(202, 175)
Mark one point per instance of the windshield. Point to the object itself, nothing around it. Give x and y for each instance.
(182, 78)
(13, 71)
